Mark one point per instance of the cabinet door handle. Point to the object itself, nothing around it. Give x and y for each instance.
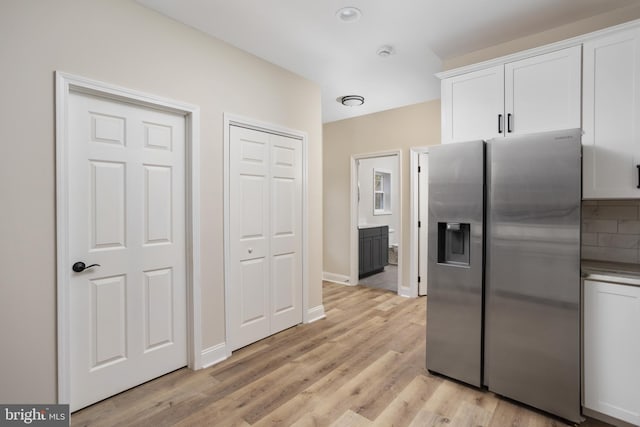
(499, 123)
(638, 166)
(509, 129)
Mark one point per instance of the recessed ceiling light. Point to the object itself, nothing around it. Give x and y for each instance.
(352, 100)
(385, 51)
(349, 14)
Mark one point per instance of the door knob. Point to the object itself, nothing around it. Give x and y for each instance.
(250, 250)
(79, 266)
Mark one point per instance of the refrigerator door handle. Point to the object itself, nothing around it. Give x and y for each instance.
(509, 129)
(499, 123)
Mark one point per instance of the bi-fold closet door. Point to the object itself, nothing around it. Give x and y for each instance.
(265, 220)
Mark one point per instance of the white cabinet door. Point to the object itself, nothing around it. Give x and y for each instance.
(472, 105)
(612, 350)
(611, 116)
(536, 94)
(542, 93)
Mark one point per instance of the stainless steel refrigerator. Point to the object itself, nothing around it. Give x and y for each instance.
(503, 307)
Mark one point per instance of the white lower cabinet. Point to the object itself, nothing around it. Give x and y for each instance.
(612, 350)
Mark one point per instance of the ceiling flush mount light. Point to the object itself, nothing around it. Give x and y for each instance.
(348, 14)
(352, 100)
(385, 51)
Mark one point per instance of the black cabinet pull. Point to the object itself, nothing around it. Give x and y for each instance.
(638, 166)
(499, 123)
(509, 123)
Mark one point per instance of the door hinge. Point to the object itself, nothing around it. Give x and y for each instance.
(418, 279)
(419, 224)
(419, 169)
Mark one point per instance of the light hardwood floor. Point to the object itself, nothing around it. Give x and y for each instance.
(361, 366)
(388, 279)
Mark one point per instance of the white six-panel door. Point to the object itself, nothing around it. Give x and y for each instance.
(265, 289)
(126, 213)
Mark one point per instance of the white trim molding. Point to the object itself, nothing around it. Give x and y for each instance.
(249, 123)
(315, 313)
(353, 230)
(340, 279)
(414, 231)
(214, 354)
(66, 83)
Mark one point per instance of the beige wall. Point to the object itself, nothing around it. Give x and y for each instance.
(577, 28)
(402, 128)
(119, 42)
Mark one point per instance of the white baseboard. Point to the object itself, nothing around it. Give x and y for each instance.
(315, 313)
(606, 418)
(405, 292)
(341, 279)
(214, 354)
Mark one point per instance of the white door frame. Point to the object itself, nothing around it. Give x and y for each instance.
(66, 83)
(414, 154)
(245, 122)
(353, 244)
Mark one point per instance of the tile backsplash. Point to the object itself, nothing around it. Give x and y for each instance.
(611, 230)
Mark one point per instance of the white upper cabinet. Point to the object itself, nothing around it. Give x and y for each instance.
(472, 105)
(536, 94)
(611, 116)
(542, 93)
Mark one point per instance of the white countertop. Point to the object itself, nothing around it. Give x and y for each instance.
(615, 272)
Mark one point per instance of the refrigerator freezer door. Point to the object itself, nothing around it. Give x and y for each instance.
(532, 333)
(454, 303)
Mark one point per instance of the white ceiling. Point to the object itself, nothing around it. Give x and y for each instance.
(305, 36)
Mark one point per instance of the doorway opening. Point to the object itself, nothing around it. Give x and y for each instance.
(376, 221)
